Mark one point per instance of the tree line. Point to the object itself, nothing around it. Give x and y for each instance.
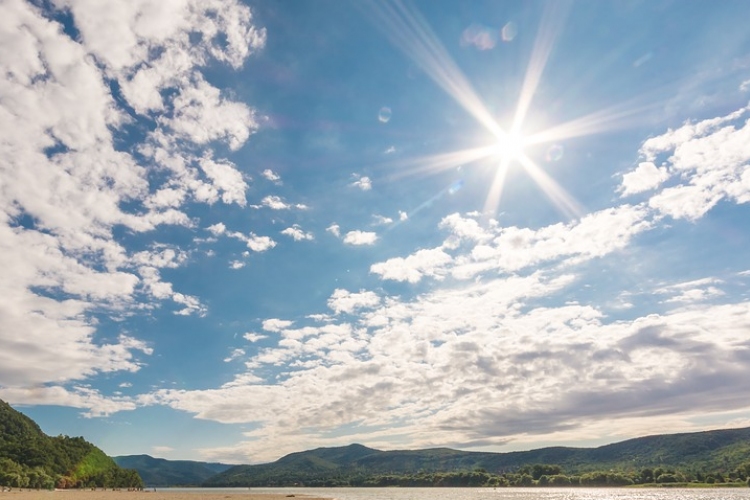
(31, 459)
(531, 475)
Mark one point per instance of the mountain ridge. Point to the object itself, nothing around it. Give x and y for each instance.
(723, 449)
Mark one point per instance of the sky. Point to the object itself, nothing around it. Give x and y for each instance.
(231, 231)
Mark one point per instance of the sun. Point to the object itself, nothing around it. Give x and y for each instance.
(510, 146)
(507, 148)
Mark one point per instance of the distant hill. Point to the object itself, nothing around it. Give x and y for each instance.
(30, 458)
(162, 472)
(699, 451)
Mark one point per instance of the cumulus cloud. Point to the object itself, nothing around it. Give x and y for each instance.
(296, 233)
(347, 302)
(647, 176)
(709, 161)
(254, 337)
(271, 175)
(277, 203)
(358, 238)
(334, 229)
(68, 177)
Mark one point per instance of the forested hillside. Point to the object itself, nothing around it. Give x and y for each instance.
(31, 459)
(721, 456)
(162, 472)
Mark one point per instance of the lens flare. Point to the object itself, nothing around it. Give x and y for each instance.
(408, 31)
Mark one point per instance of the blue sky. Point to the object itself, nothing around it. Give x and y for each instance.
(231, 231)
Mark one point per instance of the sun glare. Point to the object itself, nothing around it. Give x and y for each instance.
(406, 28)
(510, 146)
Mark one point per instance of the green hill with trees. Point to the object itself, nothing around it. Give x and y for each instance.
(720, 456)
(31, 459)
(162, 472)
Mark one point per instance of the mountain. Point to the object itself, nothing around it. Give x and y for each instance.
(30, 458)
(161, 472)
(719, 450)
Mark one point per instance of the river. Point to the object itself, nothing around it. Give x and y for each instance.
(509, 493)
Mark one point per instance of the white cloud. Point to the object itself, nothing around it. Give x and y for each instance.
(343, 301)
(481, 348)
(425, 262)
(276, 203)
(65, 168)
(712, 161)
(276, 325)
(692, 291)
(360, 238)
(271, 175)
(254, 337)
(236, 354)
(380, 220)
(335, 230)
(296, 233)
(226, 178)
(236, 264)
(364, 183)
(745, 86)
(402, 216)
(85, 398)
(259, 243)
(159, 450)
(647, 176)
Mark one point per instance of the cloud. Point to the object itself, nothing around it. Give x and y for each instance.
(85, 398)
(646, 177)
(217, 229)
(236, 264)
(380, 220)
(236, 354)
(271, 175)
(276, 203)
(708, 162)
(512, 249)
(253, 241)
(276, 325)
(162, 449)
(71, 174)
(426, 262)
(692, 291)
(360, 238)
(296, 233)
(334, 229)
(745, 86)
(254, 337)
(343, 301)
(364, 183)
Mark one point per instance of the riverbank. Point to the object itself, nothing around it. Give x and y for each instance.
(143, 495)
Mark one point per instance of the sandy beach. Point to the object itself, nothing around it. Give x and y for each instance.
(139, 495)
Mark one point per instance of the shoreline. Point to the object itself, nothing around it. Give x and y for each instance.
(145, 495)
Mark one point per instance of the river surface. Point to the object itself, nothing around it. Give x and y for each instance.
(500, 493)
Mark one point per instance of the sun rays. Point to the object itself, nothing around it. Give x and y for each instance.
(405, 28)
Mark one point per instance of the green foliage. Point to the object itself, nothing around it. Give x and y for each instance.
(721, 454)
(31, 459)
(161, 472)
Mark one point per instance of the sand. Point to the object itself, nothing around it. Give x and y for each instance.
(140, 495)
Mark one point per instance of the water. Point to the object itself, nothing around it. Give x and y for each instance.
(514, 493)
